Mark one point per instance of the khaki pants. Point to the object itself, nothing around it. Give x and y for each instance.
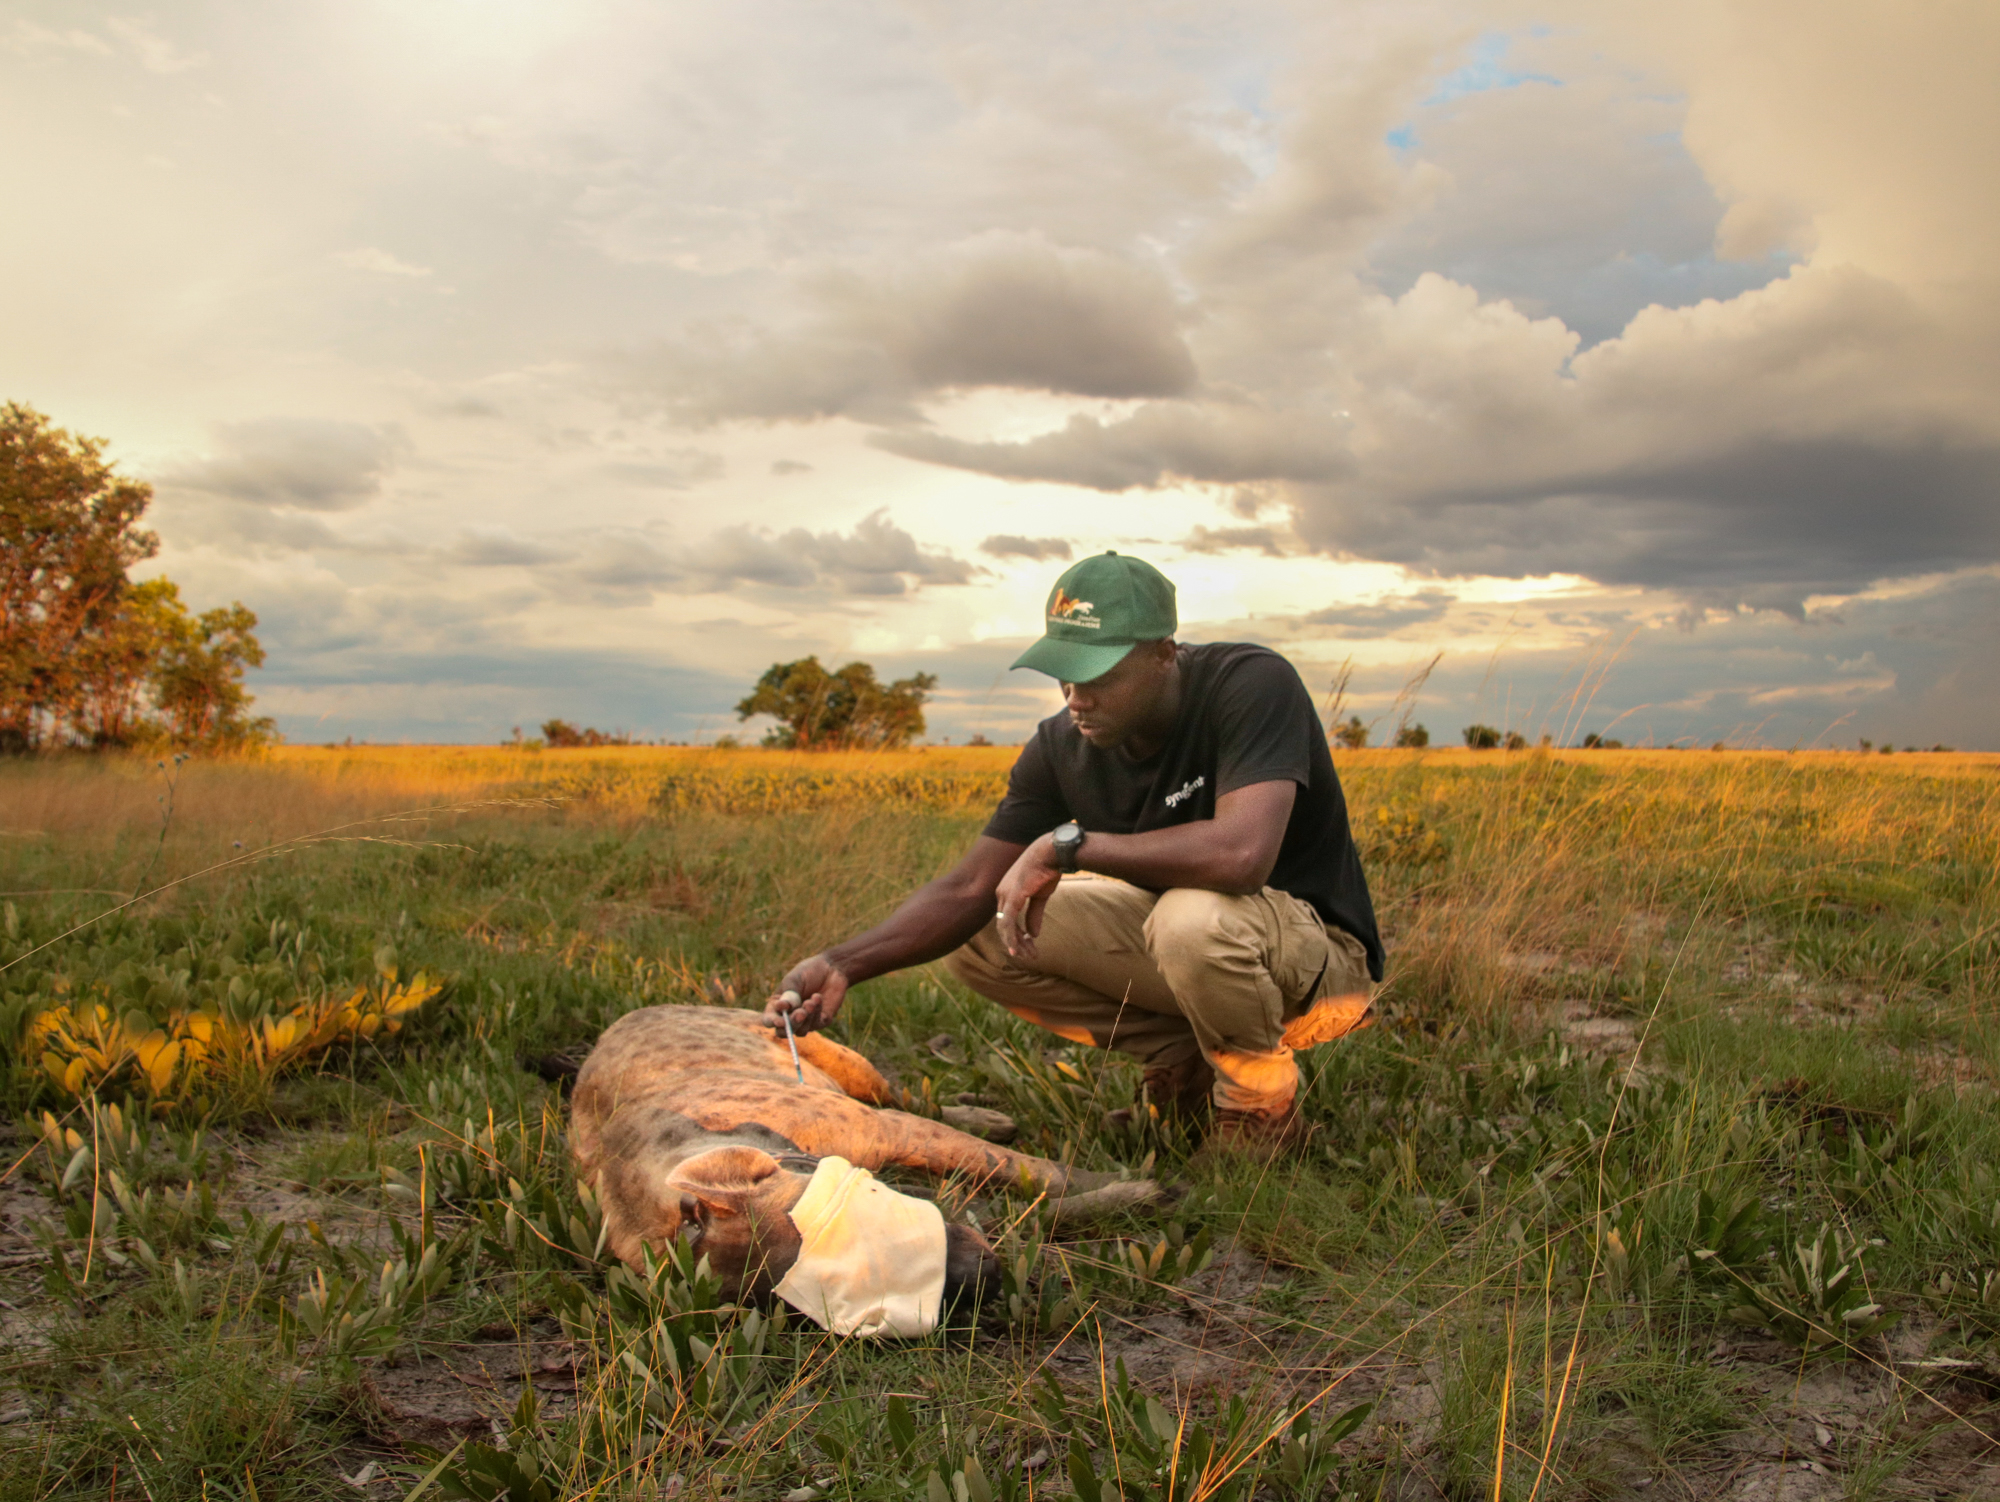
(1243, 981)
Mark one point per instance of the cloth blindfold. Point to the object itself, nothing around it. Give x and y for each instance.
(871, 1261)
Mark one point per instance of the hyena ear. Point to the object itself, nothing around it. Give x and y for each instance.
(724, 1180)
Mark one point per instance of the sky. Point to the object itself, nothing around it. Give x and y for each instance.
(520, 359)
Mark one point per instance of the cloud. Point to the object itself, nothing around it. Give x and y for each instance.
(1383, 617)
(675, 469)
(311, 464)
(1001, 310)
(1695, 301)
(876, 558)
(1767, 522)
(1159, 442)
(790, 467)
(370, 258)
(1562, 190)
(1008, 545)
(28, 40)
(239, 529)
(156, 54)
(483, 547)
(1273, 542)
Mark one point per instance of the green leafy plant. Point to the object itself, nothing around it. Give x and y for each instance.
(1816, 1302)
(1158, 1454)
(967, 1482)
(1309, 1459)
(1730, 1239)
(1175, 1257)
(1037, 1305)
(677, 1357)
(483, 1473)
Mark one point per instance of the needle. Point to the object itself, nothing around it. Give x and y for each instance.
(794, 998)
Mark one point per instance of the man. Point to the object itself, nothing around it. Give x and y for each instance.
(1170, 874)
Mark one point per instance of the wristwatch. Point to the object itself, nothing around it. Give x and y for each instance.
(1069, 840)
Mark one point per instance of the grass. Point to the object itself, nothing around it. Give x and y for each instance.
(1653, 1020)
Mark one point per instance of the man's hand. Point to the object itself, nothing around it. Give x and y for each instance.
(1022, 895)
(823, 988)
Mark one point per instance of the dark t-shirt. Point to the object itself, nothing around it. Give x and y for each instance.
(1245, 718)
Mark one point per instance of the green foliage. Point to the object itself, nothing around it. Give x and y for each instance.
(1412, 737)
(849, 708)
(1481, 737)
(1352, 734)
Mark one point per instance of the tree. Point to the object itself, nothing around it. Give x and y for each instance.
(86, 655)
(1412, 735)
(819, 711)
(1353, 735)
(197, 678)
(68, 532)
(560, 734)
(1514, 741)
(1481, 737)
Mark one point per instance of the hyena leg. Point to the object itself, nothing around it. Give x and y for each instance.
(848, 1069)
(824, 1124)
(1076, 1197)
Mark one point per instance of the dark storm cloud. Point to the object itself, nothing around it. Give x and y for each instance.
(1007, 545)
(1003, 310)
(1158, 442)
(1766, 523)
(307, 463)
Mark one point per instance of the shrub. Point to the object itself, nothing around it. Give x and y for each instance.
(560, 734)
(1481, 737)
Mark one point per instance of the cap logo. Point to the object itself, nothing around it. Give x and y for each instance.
(1073, 612)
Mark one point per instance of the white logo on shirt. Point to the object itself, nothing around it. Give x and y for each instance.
(1186, 792)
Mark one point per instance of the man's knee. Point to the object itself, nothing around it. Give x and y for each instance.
(1192, 926)
(981, 959)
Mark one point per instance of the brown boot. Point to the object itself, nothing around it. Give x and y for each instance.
(1264, 1134)
(1178, 1092)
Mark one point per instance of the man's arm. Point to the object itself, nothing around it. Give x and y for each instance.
(937, 918)
(1233, 852)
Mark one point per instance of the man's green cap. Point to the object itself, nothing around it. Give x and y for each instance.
(1098, 611)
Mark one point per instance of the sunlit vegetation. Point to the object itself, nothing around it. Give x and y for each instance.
(1670, 1163)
